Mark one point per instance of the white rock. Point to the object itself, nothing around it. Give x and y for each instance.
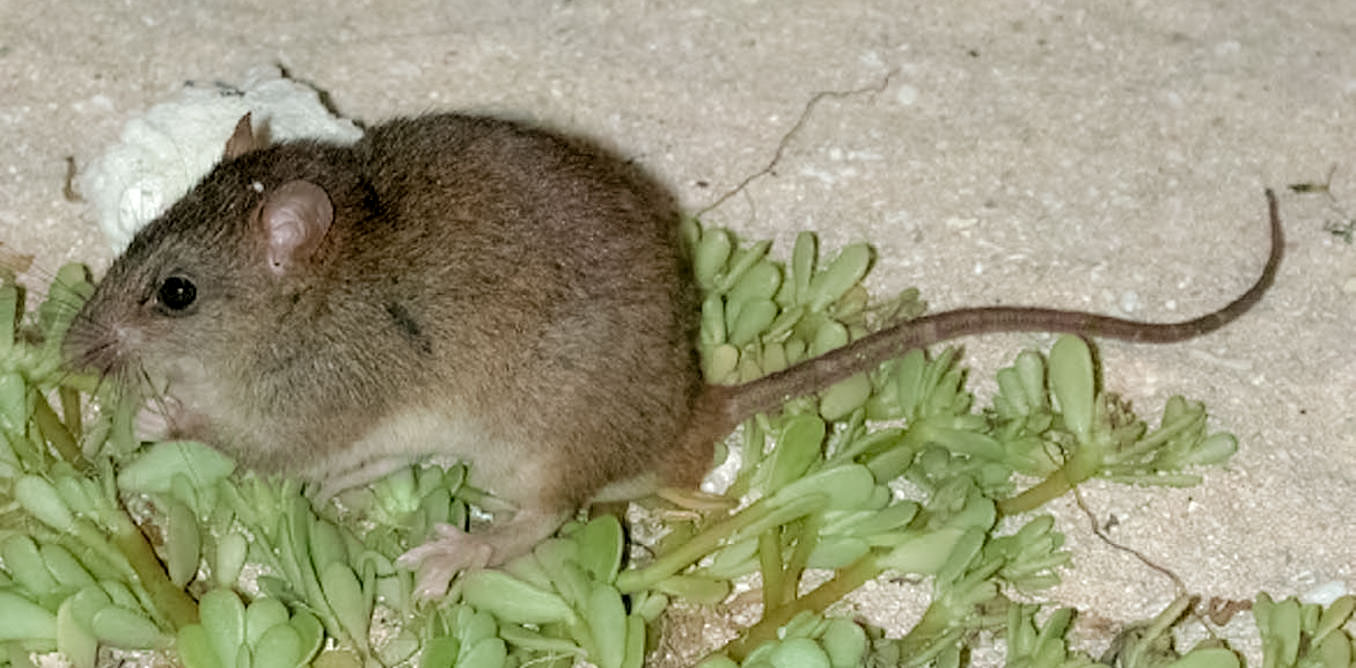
(164, 152)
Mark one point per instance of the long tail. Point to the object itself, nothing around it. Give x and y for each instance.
(771, 391)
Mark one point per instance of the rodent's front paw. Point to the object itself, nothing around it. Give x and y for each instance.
(151, 423)
(164, 418)
(439, 559)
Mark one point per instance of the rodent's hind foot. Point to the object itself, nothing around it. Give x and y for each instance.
(451, 550)
(441, 558)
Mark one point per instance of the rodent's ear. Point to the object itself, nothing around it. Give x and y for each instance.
(293, 220)
(242, 140)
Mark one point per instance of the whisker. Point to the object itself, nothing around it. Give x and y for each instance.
(155, 395)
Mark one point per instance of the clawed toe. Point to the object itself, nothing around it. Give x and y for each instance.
(440, 558)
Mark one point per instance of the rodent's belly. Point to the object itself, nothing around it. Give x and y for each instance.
(399, 439)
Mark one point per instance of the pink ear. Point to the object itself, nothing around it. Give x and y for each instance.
(294, 219)
(242, 140)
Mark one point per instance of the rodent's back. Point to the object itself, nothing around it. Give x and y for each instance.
(548, 275)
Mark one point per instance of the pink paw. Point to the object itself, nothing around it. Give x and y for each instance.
(439, 559)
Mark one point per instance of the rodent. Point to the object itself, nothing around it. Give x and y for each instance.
(467, 286)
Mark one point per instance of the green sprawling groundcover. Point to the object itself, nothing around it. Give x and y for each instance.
(166, 551)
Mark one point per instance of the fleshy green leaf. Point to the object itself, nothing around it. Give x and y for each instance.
(798, 446)
(1071, 380)
(607, 620)
(1215, 657)
(74, 640)
(280, 647)
(712, 253)
(600, 547)
(183, 544)
(345, 596)
(513, 600)
(841, 274)
(41, 500)
(223, 617)
(154, 470)
(22, 559)
(194, 648)
(120, 627)
(799, 653)
(25, 620)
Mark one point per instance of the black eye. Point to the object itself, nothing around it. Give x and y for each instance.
(176, 293)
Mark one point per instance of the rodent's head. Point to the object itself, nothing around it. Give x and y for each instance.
(188, 294)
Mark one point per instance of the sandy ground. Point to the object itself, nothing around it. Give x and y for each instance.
(1109, 158)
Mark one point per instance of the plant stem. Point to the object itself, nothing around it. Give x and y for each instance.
(770, 563)
(846, 580)
(1054, 486)
(807, 540)
(930, 626)
(70, 410)
(56, 433)
(170, 600)
(699, 546)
